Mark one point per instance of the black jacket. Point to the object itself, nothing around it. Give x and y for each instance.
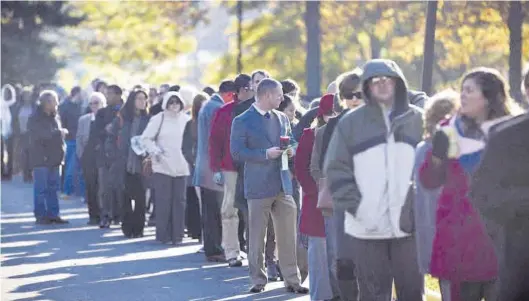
(327, 135)
(242, 106)
(500, 186)
(118, 147)
(104, 117)
(70, 113)
(155, 109)
(305, 122)
(46, 142)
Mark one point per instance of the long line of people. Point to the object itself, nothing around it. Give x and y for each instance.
(376, 184)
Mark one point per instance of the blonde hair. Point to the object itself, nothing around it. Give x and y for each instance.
(437, 108)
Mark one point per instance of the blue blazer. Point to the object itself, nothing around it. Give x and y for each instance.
(203, 176)
(263, 178)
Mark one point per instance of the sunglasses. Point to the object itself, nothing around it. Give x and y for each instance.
(353, 95)
(380, 80)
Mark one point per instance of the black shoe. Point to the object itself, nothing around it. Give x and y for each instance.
(298, 290)
(216, 258)
(258, 288)
(234, 263)
(151, 222)
(116, 221)
(43, 221)
(59, 220)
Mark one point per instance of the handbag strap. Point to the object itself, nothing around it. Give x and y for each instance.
(159, 128)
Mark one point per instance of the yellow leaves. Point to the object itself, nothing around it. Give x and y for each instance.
(490, 15)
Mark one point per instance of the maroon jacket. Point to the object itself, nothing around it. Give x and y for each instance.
(312, 222)
(219, 139)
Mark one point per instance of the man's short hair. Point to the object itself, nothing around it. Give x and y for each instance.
(174, 88)
(261, 72)
(209, 90)
(75, 90)
(242, 81)
(266, 86)
(116, 89)
(227, 86)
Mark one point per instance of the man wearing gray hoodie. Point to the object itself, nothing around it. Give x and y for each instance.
(369, 166)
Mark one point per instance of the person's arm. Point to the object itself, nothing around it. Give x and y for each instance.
(149, 134)
(339, 170)
(238, 144)
(315, 170)
(216, 140)
(302, 161)
(80, 138)
(187, 144)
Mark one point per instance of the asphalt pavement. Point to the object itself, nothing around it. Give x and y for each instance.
(76, 262)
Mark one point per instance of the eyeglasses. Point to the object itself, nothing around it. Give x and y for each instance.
(380, 80)
(94, 103)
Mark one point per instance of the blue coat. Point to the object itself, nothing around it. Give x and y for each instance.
(203, 176)
(263, 178)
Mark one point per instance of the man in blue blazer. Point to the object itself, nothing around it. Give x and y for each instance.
(211, 191)
(255, 140)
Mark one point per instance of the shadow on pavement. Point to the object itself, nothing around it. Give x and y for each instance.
(79, 262)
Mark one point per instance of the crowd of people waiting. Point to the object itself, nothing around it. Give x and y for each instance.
(373, 184)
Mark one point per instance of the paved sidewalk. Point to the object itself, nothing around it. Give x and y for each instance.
(77, 262)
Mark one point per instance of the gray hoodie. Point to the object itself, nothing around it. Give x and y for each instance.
(370, 159)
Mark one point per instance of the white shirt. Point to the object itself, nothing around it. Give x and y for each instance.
(260, 111)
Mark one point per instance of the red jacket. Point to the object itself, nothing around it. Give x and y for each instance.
(219, 139)
(462, 249)
(312, 222)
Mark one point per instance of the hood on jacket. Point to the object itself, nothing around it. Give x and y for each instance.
(384, 67)
(169, 95)
(417, 98)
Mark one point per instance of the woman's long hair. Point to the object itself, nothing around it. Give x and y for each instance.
(198, 100)
(128, 111)
(496, 90)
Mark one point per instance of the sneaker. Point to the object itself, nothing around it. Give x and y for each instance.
(234, 262)
(59, 220)
(43, 221)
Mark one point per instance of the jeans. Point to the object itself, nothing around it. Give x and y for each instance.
(45, 187)
(73, 178)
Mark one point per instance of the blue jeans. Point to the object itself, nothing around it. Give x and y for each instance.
(46, 183)
(73, 177)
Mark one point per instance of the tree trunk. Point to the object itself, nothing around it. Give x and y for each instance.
(239, 37)
(515, 21)
(313, 60)
(429, 47)
(375, 46)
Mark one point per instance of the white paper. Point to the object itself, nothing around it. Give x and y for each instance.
(284, 161)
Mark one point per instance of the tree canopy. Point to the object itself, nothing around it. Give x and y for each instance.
(469, 34)
(134, 36)
(27, 57)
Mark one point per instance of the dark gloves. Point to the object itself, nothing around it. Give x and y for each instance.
(440, 145)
